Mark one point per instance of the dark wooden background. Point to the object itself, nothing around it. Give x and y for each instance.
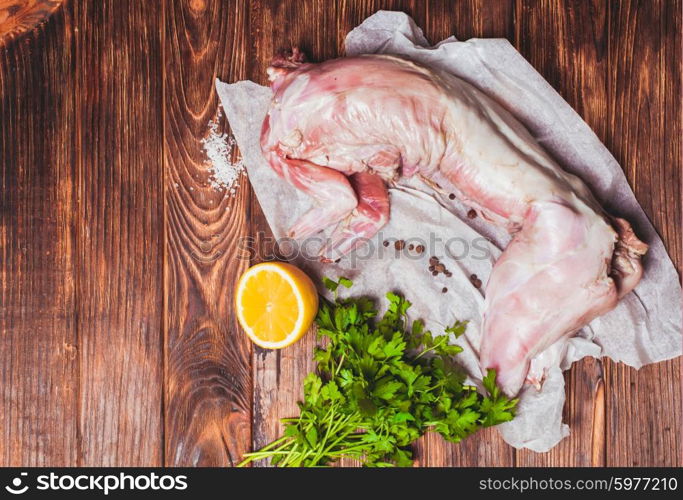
(118, 345)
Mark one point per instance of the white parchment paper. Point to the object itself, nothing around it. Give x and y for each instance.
(644, 328)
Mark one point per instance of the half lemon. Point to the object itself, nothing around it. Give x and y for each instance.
(275, 303)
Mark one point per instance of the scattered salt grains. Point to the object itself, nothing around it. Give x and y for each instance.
(224, 172)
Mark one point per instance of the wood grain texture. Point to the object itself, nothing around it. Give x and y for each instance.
(643, 410)
(20, 16)
(573, 59)
(120, 290)
(208, 358)
(38, 337)
(278, 375)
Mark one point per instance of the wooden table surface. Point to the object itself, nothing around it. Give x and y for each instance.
(118, 343)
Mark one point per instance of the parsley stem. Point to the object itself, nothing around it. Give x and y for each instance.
(266, 449)
(339, 365)
(265, 452)
(289, 456)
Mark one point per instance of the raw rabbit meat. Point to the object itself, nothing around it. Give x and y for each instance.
(343, 129)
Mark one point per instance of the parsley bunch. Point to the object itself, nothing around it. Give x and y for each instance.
(379, 386)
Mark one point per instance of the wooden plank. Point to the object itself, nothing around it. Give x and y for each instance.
(469, 19)
(278, 375)
(208, 358)
(567, 43)
(38, 342)
(669, 183)
(118, 153)
(643, 408)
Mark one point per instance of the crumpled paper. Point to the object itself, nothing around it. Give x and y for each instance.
(644, 328)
